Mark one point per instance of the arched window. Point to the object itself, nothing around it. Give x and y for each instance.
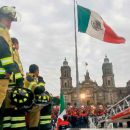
(109, 82)
(65, 84)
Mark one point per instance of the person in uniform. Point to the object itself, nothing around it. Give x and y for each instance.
(45, 113)
(13, 118)
(7, 67)
(31, 82)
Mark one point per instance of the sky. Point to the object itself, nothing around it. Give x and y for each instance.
(45, 31)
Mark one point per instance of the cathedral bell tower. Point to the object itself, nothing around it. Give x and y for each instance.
(65, 79)
(108, 76)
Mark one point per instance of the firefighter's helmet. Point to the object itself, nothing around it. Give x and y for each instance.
(8, 12)
(39, 90)
(22, 98)
(43, 99)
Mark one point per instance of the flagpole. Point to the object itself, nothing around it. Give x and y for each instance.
(76, 58)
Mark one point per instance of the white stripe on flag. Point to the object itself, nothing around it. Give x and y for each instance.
(93, 30)
(62, 114)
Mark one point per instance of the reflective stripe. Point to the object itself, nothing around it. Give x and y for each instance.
(45, 122)
(44, 97)
(14, 95)
(48, 97)
(12, 76)
(19, 89)
(18, 76)
(5, 125)
(45, 117)
(7, 118)
(21, 101)
(41, 84)
(15, 99)
(12, 84)
(25, 99)
(39, 97)
(7, 60)
(18, 125)
(26, 95)
(2, 71)
(15, 91)
(17, 118)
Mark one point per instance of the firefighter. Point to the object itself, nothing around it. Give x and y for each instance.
(45, 113)
(101, 114)
(31, 82)
(7, 16)
(7, 63)
(74, 119)
(17, 57)
(83, 120)
(16, 80)
(22, 99)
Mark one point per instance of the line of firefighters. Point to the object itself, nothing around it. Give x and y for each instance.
(24, 102)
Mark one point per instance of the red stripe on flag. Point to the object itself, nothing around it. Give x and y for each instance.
(111, 36)
(58, 122)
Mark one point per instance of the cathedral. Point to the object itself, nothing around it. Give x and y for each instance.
(90, 91)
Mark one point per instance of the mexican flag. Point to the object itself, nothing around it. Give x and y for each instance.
(62, 109)
(92, 23)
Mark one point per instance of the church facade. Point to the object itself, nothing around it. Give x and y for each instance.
(90, 91)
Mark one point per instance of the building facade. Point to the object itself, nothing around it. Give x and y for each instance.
(90, 91)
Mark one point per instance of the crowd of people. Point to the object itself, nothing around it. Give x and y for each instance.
(81, 117)
(84, 117)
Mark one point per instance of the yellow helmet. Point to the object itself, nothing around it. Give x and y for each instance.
(8, 12)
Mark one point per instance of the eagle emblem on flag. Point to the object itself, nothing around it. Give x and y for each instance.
(96, 25)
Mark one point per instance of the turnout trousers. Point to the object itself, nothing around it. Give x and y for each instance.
(3, 89)
(33, 118)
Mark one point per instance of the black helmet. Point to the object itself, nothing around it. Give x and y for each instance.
(22, 98)
(43, 99)
(39, 90)
(8, 12)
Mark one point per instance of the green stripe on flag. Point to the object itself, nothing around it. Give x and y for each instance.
(83, 18)
(62, 103)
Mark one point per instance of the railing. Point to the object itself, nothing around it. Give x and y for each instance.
(119, 112)
(119, 107)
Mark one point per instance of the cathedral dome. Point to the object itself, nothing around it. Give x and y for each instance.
(106, 60)
(65, 63)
